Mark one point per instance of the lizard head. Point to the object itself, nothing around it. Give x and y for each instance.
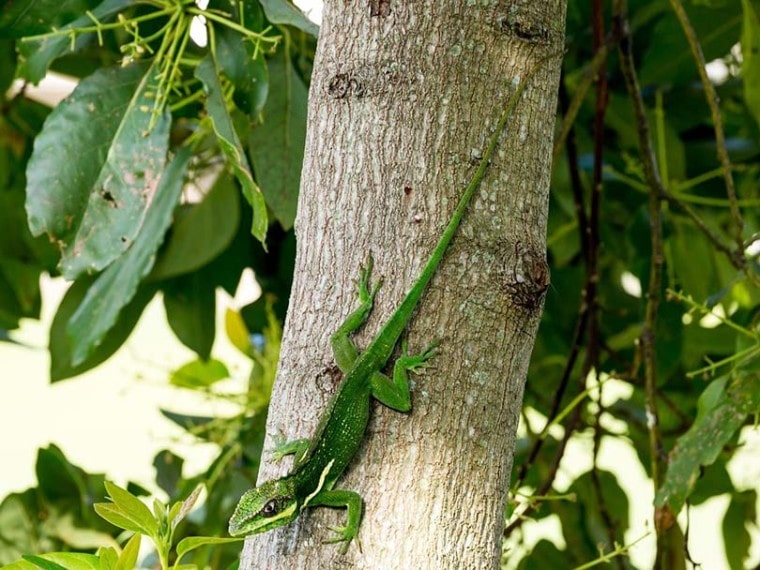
(268, 506)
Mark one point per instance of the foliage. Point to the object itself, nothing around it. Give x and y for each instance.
(652, 243)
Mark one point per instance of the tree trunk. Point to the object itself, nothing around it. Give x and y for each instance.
(404, 97)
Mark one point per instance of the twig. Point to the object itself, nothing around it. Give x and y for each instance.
(717, 119)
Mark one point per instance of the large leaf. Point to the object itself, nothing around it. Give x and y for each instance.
(22, 18)
(285, 12)
(117, 285)
(61, 366)
(229, 142)
(706, 438)
(276, 145)
(95, 168)
(201, 232)
(243, 64)
(37, 55)
(668, 59)
(190, 303)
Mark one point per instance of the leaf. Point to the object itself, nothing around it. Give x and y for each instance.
(128, 558)
(65, 560)
(230, 144)
(40, 562)
(57, 477)
(60, 350)
(199, 374)
(737, 539)
(108, 557)
(706, 438)
(750, 42)
(18, 19)
(202, 232)
(192, 542)
(117, 285)
(187, 506)
(190, 303)
(37, 55)
(284, 12)
(277, 144)
(668, 59)
(243, 64)
(127, 511)
(94, 172)
(237, 332)
(168, 471)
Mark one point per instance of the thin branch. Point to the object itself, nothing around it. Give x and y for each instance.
(717, 119)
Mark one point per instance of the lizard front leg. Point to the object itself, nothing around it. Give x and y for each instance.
(344, 350)
(342, 499)
(297, 447)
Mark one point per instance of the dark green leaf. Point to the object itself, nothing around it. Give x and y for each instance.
(61, 366)
(277, 144)
(230, 144)
(94, 171)
(201, 232)
(117, 285)
(706, 438)
(57, 478)
(284, 12)
(737, 539)
(190, 303)
(168, 471)
(246, 68)
(27, 17)
(37, 55)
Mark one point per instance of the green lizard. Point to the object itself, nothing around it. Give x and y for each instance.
(321, 461)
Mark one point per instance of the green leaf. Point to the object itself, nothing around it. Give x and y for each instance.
(737, 539)
(128, 558)
(750, 42)
(37, 55)
(128, 510)
(201, 232)
(229, 142)
(40, 562)
(706, 439)
(65, 560)
(284, 12)
(168, 471)
(18, 19)
(61, 366)
(199, 374)
(277, 144)
(186, 506)
(244, 65)
(117, 285)
(668, 59)
(190, 303)
(108, 557)
(57, 477)
(192, 542)
(95, 168)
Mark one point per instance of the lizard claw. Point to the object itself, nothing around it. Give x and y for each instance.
(344, 535)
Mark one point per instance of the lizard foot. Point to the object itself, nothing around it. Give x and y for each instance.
(344, 535)
(417, 363)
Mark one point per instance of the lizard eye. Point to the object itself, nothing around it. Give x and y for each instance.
(271, 508)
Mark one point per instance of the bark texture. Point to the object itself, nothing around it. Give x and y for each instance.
(404, 97)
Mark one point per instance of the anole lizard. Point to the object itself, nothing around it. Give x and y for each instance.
(321, 461)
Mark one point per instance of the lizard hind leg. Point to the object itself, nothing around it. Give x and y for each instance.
(395, 393)
(344, 350)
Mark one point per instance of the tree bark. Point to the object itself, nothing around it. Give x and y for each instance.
(403, 99)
